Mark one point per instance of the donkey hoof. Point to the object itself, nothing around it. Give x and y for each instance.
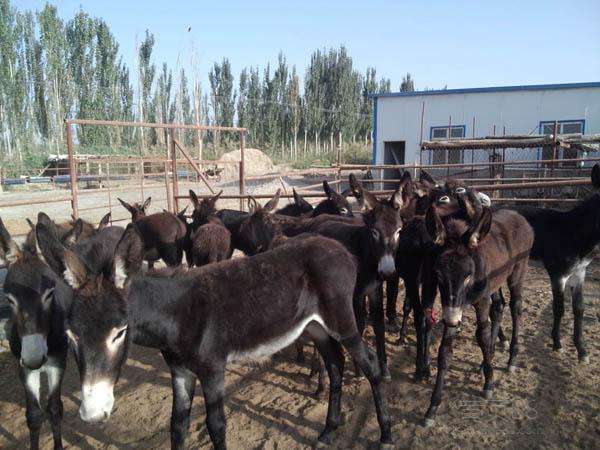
(386, 446)
(504, 345)
(385, 374)
(428, 422)
(321, 444)
(488, 394)
(512, 368)
(557, 348)
(584, 359)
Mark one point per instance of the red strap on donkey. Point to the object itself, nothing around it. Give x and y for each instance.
(430, 316)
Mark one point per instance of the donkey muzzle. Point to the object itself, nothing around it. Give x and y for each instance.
(34, 351)
(387, 266)
(452, 315)
(97, 401)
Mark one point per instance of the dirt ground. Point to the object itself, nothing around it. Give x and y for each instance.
(551, 401)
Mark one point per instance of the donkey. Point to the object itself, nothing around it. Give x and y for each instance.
(37, 298)
(475, 261)
(163, 233)
(373, 243)
(564, 242)
(211, 241)
(239, 309)
(335, 204)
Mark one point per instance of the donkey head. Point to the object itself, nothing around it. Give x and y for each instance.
(458, 265)
(97, 323)
(203, 209)
(257, 231)
(298, 208)
(29, 289)
(137, 211)
(384, 223)
(335, 203)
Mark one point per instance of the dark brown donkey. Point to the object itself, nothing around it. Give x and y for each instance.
(475, 261)
(202, 319)
(163, 233)
(210, 240)
(565, 242)
(373, 242)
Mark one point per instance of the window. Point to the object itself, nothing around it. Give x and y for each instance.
(563, 127)
(440, 134)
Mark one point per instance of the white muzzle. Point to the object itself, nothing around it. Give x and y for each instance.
(97, 400)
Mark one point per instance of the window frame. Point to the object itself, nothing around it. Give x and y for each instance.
(446, 154)
(560, 125)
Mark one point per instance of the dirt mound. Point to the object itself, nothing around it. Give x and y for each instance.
(256, 163)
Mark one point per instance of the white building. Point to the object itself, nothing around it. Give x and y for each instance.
(402, 120)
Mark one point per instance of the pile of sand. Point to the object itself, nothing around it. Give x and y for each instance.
(255, 163)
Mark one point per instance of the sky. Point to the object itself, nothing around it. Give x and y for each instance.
(458, 44)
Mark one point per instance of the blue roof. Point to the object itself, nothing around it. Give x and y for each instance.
(531, 87)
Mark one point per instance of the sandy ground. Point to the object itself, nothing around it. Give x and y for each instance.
(551, 400)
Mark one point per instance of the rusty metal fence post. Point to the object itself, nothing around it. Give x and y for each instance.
(242, 168)
(72, 171)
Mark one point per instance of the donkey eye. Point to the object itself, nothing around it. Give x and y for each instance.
(72, 337)
(12, 301)
(343, 210)
(397, 232)
(120, 334)
(468, 280)
(375, 234)
(444, 199)
(460, 190)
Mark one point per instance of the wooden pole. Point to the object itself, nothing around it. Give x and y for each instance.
(72, 172)
(169, 202)
(421, 135)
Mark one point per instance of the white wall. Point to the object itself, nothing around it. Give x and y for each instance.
(399, 118)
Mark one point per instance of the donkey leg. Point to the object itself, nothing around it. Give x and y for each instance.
(430, 288)
(333, 356)
(558, 308)
(33, 411)
(55, 405)
(391, 287)
(444, 359)
(213, 387)
(184, 384)
(515, 312)
(376, 313)
(484, 339)
(577, 281)
(496, 311)
(365, 357)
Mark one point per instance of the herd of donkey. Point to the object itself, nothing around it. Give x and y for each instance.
(308, 275)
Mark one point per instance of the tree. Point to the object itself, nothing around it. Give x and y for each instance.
(408, 84)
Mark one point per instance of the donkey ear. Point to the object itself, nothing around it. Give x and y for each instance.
(30, 240)
(75, 273)
(73, 235)
(50, 247)
(104, 222)
(355, 186)
(370, 201)
(272, 204)
(424, 176)
(435, 227)
(253, 205)
(194, 199)
(9, 250)
(128, 256)
(480, 229)
(596, 176)
(146, 204)
(213, 200)
(467, 206)
(328, 191)
(183, 211)
(299, 201)
(403, 192)
(126, 205)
